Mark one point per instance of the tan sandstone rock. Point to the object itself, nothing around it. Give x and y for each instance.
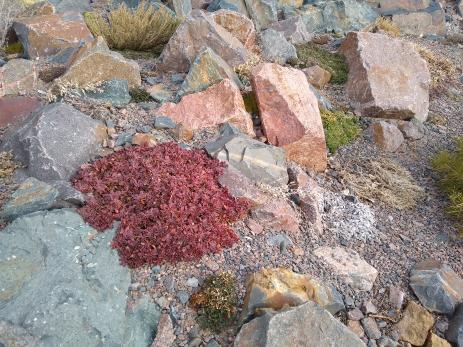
(218, 104)
(238, 25)
(141, 139)
(387, 77)
(290, 115)
(415, 324)
(195, 32)
(317, 76)
(387, 136)
(95, 63)
(279, 288)
(436, 341)
(47, 35)
(165, 332)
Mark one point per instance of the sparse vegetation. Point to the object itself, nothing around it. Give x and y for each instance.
(140, 95)
(450, 166)
(340, 128)
(441, 68)
(7, 164)
(14, 48)
(383, 180)
(311, 54)
(145, 28)
(216, 302)
(383, 24)
(244, 70)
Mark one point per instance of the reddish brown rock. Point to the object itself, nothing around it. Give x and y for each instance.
(47, 35)
(317, 76)
(356, 327)
(240, 186)
(387, 77)
(290, 115)
(165, 332)
(421, 23)
(218, 104)
(277, 214)
(18, 76)
(238, 25)
(197, 31)
(309, 206)
(387, 136)
(14, 109)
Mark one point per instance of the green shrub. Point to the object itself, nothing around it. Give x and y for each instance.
(142, 29)
(450, 167)
(340, 128)
(310, 54)
(140, 95)
(216, 302)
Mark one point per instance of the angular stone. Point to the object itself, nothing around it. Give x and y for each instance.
(309, 205)
(390, 6)
(144, 140)
(396, 297)
(229, 5)
(428, 22)
(68, 194)
(290, 3)
(348, 265)
(307, 325)
(275, 48)
(39, 8)
(31, 196)
(317, 76)
(293, 29)
(197, 31)
(454, 333)
(239, 186)
(356, 327)
(63, 283)
(15, 109)
(160, 93)
(55, 141)
(164, 123)
(371, 328)
(257, 161)
(216, 105)
(114, 92)
(277, 215)
(437, 286)
(94, 63)
(18, 76)
(415, 324)
(460, 7)
(347, 15)
(387, 77)
(355, 314)
(47, 35)
(239, 25)
(436, 341)
(165, 332)
(279, 287)
(182, 8)
(71, 5)
(290, 115)
(411, 130)
(262, 12)
(387, 136)
(385, 341)
(207, 70)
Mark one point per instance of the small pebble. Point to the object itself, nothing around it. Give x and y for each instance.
(183, 297)
(192, 282)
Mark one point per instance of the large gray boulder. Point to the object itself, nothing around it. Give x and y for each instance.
(437, 286)
(276, 48)
(71, 5)
(63, 286)
(257, 161)
(307, 325)
(56, 141)
(262, 12)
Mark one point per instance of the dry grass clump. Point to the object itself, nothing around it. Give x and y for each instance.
(383, 180)
(450, 166)
(216, 301)
(9, 9)
(244, 70)
(383, 24)
(142, 29)
(441, 68)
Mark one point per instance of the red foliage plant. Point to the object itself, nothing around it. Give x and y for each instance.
(168, 199)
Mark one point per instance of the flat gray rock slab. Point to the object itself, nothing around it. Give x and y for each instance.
(61, 285)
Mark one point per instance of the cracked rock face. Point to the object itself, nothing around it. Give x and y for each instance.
(56, 141)
(62, 285)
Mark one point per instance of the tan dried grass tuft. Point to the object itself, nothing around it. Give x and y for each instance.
(383, 24)
(441, 68)
(142, 29)
(383, 180)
